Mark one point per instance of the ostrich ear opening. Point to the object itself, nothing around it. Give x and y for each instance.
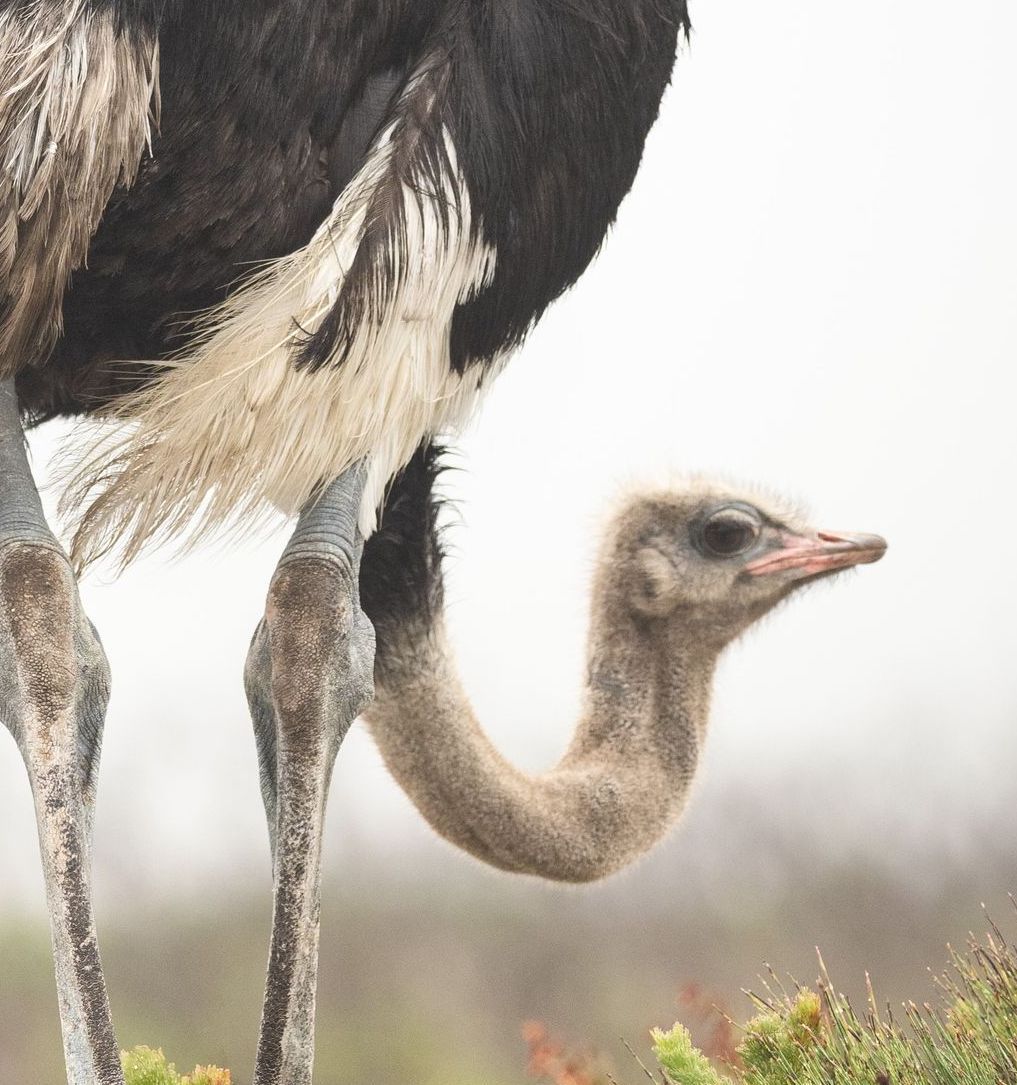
(656, 583)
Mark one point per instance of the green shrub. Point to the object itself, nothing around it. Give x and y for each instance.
(145, 1066)
(680, 1060)
(810, 1038)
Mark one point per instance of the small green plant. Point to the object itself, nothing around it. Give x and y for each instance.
(145, 1066)
(809, 1038)
(680, 1060)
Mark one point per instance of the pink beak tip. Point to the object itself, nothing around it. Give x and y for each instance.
(826, 552)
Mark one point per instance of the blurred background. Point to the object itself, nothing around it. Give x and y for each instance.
(811, 287)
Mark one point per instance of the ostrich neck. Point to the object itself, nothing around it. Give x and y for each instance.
(622, 782)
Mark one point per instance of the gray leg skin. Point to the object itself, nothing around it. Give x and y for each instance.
(309, 675)
(54, 686)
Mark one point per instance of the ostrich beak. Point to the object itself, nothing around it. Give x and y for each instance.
(826, 552)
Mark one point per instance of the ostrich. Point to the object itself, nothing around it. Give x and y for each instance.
(280, 249)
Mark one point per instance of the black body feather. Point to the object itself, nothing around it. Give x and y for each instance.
(401, 586)
(268, 109)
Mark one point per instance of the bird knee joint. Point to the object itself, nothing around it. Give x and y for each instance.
(312, 622)
(38, 598)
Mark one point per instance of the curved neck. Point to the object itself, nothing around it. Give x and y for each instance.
(623, 780)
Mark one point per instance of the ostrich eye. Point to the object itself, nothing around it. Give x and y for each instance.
(729, 532)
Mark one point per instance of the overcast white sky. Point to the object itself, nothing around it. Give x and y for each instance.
(812, 286)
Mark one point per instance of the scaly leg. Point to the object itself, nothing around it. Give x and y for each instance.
(54, 686)
(308, 676)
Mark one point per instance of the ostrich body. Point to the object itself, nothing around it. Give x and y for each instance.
(282, 247)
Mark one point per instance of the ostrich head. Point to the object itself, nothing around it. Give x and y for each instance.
(713, 561)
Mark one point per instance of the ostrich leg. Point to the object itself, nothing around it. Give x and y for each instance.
(54, 685)
(308, 676)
